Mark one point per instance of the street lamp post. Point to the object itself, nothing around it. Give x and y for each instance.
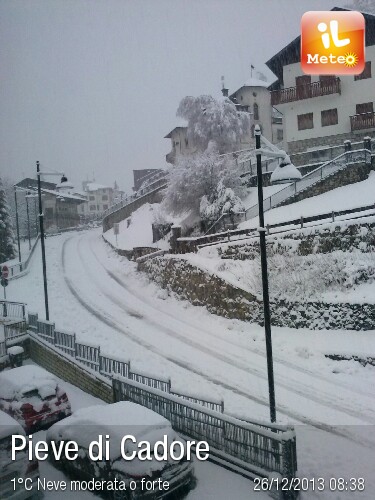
(41, 228)
(18, 229)
(28, 221)
(266, 299)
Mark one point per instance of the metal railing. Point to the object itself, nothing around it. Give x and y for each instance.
(322, 172)
(142, 191)
(12, 310)
(362, 121)
(14, 331)
(326, 153)
(16, 269)
(263, 450)
(3, 349)
(301, 92)
(192, 244)
(91, 357)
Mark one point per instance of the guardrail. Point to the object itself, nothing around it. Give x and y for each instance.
(12, 310)
(327, 169)
(264, 451)
(192, 244)
(20, 267)
(91, 357)
(142, 191)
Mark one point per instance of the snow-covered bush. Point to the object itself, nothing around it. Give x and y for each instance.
(202, 175)
(214, 120)
(222, 201)
(298, 277)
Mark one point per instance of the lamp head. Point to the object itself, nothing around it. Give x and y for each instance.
(285, 172)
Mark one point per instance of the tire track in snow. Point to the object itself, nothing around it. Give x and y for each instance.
(304, 391)
(103, 317)
(255, 351)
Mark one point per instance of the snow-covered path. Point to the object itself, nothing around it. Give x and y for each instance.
(98, 295)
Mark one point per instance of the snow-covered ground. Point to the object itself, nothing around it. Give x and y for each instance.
(213, 482)
(343, 198)
(100, 296)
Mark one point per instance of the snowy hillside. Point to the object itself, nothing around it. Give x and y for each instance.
(342, 198)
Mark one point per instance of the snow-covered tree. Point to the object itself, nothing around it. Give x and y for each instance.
(199, 175)
(363, 6)
(213, 120)
(7, 246)
(223, 200)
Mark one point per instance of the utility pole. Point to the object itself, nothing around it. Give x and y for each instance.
(41, 227)
(18, 229)
(263, 258)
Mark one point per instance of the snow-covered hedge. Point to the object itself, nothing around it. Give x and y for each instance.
(222, 298)
(341, 236)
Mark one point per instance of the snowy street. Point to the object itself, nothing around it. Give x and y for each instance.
(100, 296)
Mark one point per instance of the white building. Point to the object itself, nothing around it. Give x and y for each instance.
(98, 198)
(323, 110)
(179, 142)
(255, 98)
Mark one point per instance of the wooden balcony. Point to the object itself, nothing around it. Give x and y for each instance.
(301, 92)
(362, 121)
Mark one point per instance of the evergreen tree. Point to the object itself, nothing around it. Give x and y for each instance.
(7, 239)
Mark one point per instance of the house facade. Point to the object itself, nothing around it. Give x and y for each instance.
(255, 98)
(98, 198)
(321, 110)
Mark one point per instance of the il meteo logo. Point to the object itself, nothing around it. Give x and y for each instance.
(332, 43)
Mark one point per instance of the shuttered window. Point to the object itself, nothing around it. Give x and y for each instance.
(305, 121)
(329, 117)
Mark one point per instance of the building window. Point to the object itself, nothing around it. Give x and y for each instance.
(366, 73)
(305, 121)
(280, 134)
(92, 208)
(256, 111)
(92, 198)
(365, 107)
(186, 142)
(329, 117)
(105, 207)
(105, 197)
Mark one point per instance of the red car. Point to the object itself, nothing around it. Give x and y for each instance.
(33, 397)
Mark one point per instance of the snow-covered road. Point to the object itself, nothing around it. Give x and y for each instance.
(101, 297)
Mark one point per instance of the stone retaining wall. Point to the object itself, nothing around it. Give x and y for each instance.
(63, 367)
(329, 140)
(222, 298)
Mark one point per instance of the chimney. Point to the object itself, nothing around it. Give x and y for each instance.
(225, 92)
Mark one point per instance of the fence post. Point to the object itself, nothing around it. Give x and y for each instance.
(228, 235)
(333, 216)
(268, 229)
(301, 222)
(222, 406)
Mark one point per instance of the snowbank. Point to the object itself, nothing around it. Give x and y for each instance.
(343, 198)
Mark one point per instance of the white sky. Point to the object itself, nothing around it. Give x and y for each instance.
(93, 85)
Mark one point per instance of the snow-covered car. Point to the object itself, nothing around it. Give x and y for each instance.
(116, 421)
(33, 397)
(20, 469)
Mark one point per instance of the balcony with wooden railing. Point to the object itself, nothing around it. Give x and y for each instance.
(308, 91)
(362, 121)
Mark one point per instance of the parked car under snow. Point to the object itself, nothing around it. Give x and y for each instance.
(33, 397)
(116, 421)
(20, 469)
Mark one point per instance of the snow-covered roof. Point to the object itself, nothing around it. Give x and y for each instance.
(116, 420)
(63, 194)
(180, 123)
(9, 426)
(93, 186)
(15, 382)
